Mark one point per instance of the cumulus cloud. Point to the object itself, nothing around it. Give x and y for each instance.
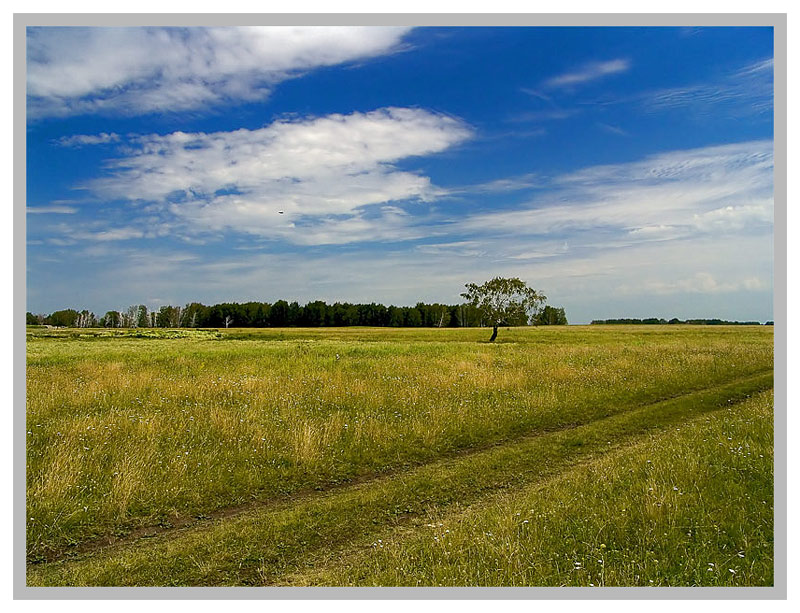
(591, 71)
(74, 70)
(304, 180)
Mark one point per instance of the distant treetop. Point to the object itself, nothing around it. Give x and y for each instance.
(675, 320)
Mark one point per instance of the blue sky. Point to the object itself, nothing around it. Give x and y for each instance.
(625, 172)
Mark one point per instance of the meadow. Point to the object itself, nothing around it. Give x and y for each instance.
(366, 456)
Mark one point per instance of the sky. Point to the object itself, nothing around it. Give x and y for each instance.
(623, 172)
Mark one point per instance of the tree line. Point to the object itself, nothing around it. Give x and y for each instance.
(282, 314)
(675, 320)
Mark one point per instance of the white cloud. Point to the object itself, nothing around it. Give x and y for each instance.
(606, 127)
(459, 248)
(145, 69)
(543, 249)
(757, 213)
(79, 140)
(588, 72)
(762, 66)
(683, 233)
(542, 116)
(334, 180)
(704, 283)
(683, 278)
(93, 231)
(712, 189)
(305, 181)
(55, 209)
(509, 184)
(747, 91)
(111, 234)
(655, 232)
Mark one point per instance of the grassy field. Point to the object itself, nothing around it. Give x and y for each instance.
(353, 456)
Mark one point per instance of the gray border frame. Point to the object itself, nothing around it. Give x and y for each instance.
(776, 20)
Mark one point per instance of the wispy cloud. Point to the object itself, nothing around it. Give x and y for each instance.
(111, 234)
(539, 116)
(536, 93)
(747, 91)
(93, 231)
(504, 185)
(703, 283)
(457, 248)
(54, 209)
(79, 140)
(713, 189)
(544, 249)
(156, 69)
(688, 31)
(591, 71)
(761, 67)
(611, 129)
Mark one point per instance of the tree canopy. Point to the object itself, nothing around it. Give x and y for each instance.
(264, 314)
(504, 301)
(550, 316)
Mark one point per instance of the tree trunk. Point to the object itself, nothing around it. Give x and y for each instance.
(494, 334)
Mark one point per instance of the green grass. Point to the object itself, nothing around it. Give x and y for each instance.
(266, 545)
(127, 431)
(690, 507)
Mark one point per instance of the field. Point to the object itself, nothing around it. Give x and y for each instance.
(580, 455)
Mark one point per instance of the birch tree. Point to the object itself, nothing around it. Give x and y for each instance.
(504, 301)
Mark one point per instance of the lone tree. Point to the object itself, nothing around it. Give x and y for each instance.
(504, 302)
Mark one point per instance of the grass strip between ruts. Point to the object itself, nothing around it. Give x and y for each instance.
(690, 505)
